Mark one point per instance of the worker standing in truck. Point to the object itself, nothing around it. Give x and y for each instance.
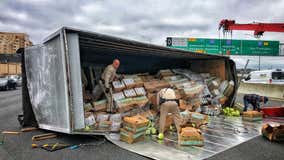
(168, 103)
(107, 77)
(254, 100)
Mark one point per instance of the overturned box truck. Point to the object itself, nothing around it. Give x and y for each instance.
(53, 71)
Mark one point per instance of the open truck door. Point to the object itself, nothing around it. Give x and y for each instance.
(47, 85)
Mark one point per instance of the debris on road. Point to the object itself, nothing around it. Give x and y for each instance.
(273, 131)
(11, 132)
(44, 136)
(28, 129)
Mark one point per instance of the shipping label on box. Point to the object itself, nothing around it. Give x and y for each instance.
(129, 82)
(118, 96)
(118, 86)
(129, 93)
(140, 91)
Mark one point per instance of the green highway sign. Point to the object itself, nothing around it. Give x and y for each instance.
(226, 46)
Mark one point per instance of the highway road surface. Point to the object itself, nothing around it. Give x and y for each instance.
(18, 147)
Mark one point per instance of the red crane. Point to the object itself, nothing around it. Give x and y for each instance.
(258, 28)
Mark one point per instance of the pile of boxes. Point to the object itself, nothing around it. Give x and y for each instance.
(134, 129)
(135, 100)
(129, 93)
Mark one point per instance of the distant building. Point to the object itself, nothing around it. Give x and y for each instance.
(10, 42)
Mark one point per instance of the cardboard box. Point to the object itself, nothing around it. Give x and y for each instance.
(129, 83)
(140, 101)
(198, 119)
(252, 114)
(190, 136)
(192, 91)
(173, 78)
(138, 82)
(100, 105)
(102, 116)
(115, 126)
(104, 125)
(152, 98)
(213, 84)
(118, 96)
(273, 131)
(118, 86)
(129, 93)
(147, 78)
(90, 119)
(229, 89)
(183, 105)
(150, 114)
(165, 73)
(134, 122)
(156, 85)
(184, 84)
(178, 95)
(130, 137)
(88, 107)
(140, 91)
(124, 105)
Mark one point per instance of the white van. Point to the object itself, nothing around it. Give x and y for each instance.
(273, 76)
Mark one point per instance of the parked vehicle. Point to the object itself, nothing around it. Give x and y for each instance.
(7, 83)
(17, 79)
(274, 76)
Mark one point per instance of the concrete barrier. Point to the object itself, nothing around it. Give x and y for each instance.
(270, 90)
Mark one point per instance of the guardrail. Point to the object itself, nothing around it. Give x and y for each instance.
(274, 91)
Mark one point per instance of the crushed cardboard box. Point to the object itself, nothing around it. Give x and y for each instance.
(190, 136)
(273, 131)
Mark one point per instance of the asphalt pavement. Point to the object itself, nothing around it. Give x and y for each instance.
(18, 147)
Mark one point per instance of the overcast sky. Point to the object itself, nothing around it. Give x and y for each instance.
(142, 20)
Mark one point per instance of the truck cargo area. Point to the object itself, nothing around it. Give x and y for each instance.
(97, 51)
(70, 65)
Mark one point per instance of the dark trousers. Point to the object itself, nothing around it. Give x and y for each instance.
(246, 104)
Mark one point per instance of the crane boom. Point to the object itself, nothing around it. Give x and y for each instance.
(258, 28)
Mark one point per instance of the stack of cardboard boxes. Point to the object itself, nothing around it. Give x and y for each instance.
(134, 129)
(135, 100)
